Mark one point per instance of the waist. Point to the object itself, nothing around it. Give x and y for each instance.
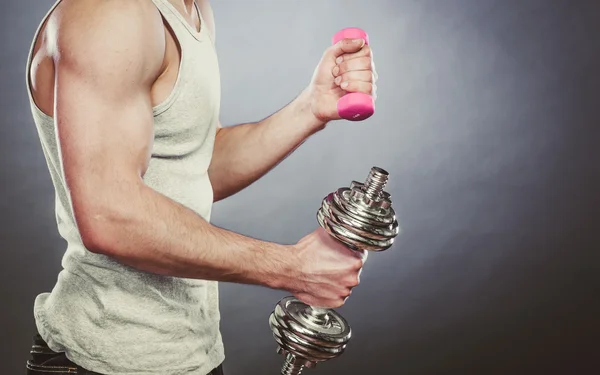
(100, 283)
(100, 312)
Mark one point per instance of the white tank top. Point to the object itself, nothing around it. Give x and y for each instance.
(113, 319)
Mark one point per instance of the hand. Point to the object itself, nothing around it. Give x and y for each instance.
(327, 270)
(345, 67)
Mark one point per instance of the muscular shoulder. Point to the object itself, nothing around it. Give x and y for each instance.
(109, 36)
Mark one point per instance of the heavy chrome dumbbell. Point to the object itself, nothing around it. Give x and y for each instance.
(362, 218)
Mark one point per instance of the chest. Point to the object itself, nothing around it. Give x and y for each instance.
(188, 97)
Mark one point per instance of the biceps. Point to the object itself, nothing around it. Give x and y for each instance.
(105, 134)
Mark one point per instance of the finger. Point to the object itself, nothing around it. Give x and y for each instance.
(374, 68)
(347, 295)
(364, 52)
(357, 86)
(360, 63)
(346, 46)
(346, 292)
(359, 76)
(362, 255)
(352, 281)
(327, 303)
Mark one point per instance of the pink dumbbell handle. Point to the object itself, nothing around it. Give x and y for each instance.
(354, 106)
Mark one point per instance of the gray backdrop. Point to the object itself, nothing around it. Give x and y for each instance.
(487, 120)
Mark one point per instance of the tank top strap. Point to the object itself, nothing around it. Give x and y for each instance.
(179, 24)
(37, 112)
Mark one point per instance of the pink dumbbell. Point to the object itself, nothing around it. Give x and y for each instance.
(354, 106)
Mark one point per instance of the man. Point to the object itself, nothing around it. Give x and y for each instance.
(125, 96)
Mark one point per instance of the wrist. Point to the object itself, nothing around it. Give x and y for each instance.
(284, 268)
(304, 110)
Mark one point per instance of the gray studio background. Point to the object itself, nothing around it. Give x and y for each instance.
(487, 120)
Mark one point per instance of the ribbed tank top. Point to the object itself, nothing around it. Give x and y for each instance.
(113, 319)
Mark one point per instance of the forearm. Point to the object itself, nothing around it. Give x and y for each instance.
(152, 233)
(244, 153)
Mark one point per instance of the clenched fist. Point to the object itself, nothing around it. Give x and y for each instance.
(345, 67)
(326, 270)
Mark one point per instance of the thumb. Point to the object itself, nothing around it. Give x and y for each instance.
(346, 46)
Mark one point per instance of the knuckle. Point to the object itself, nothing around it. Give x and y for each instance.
(358, 264)
(341, 294)
(367, 51)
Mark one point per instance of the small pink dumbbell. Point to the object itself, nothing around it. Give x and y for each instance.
(354, 106)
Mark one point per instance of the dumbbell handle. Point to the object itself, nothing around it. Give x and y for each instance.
(354, 106)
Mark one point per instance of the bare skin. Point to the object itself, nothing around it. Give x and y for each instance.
(105, 129)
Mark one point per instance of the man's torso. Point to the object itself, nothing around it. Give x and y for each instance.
(105, 316)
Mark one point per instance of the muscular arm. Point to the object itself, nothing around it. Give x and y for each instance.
(106, 63)
(246, 152)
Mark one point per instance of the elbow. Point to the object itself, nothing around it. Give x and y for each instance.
(217, 193)
(94, 239)
(97, 229)
(217, 197)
